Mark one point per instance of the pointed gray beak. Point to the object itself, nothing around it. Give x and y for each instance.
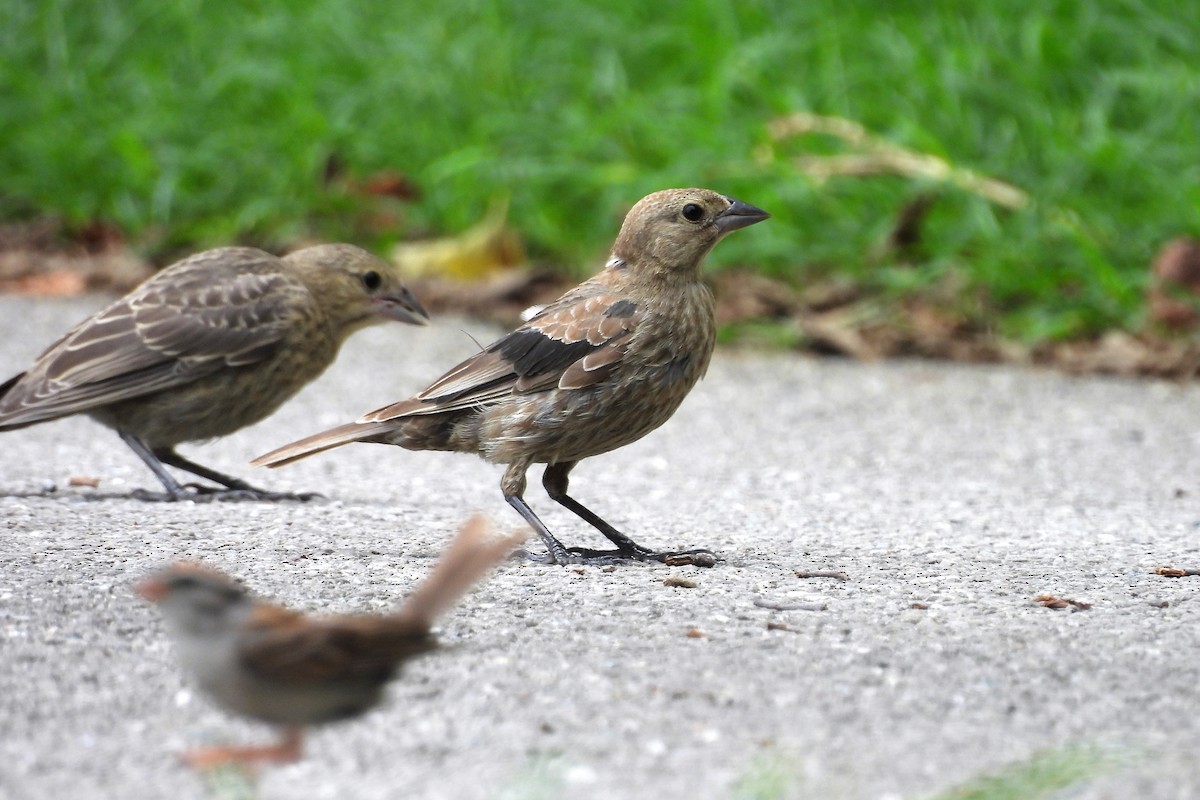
(402, 306)
(739, 215)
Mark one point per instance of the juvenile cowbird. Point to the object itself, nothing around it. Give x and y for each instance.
(205, 347)
(291, 670)
(600, 367)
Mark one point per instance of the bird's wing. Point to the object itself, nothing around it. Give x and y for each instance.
(286, 647)
(573, 344)
(228, 307)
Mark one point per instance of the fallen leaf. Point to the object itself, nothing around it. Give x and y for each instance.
(489, 248)
(1173, 293)
(1050, 601)
(1176, 572)
(841, 576)
(60, 283)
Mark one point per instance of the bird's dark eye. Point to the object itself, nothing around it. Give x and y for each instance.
(371, 280)
(693, 212)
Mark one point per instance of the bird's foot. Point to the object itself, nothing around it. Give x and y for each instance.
(696, 558)
(674, 558)
(575, 556)
(586, 556)
(198, 493)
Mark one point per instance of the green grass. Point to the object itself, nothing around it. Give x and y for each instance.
(191, 124)
(1044, 775)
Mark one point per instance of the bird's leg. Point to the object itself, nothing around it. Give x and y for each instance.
(556, 481)
(174, 490)
(155, 458)
(513, 486)
(237, 489)
(286, 750)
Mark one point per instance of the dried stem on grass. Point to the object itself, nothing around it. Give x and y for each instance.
(881, 157)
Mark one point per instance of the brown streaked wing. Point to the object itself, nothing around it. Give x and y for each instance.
(209, 311)
(283, 646)
(555, 345)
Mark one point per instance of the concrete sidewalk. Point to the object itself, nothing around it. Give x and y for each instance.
(948, 495)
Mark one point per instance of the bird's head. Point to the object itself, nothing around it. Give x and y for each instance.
(196, 599)
(355, 287)
(672, 231)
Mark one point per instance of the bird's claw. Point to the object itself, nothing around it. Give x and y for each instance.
(586, 556)
(672, 558)
(696, 558)
(575, 556)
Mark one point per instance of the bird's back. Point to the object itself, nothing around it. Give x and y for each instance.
(174, 354)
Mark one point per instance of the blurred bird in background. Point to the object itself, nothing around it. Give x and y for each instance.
(205, 347)
(291, 670)
(595, 370)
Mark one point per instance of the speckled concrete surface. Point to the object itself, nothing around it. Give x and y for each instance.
(948, 495)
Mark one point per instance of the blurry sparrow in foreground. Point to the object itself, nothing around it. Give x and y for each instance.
(293, 670)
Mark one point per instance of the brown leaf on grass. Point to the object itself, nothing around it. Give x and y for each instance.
(99, 236)
(57, 274)
(1120, 353)
(1050, 601)
(488, 248)
(830, 294)
(390, 183)
(1173, 293)
(836, 332)
(60, 283)
(499, 299)
(745, 295)
(43, 256)
(905, 236)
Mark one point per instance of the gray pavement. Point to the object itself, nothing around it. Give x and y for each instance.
(949, 495)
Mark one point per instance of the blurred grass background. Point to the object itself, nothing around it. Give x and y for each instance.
(190, 124)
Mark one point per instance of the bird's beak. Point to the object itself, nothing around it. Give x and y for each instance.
(739, 215)
(152, 589)
(402, 306)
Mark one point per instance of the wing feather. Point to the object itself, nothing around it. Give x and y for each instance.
(573, 343)
(225, 307)
(285, 647)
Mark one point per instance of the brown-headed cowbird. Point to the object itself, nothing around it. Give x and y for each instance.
(600, 367)
(207, 346)
(291, 670)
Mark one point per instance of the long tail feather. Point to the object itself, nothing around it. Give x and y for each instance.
(474, 551)
(319, 443)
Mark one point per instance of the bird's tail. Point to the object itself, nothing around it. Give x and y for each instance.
(474, 551)
(320, 442)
